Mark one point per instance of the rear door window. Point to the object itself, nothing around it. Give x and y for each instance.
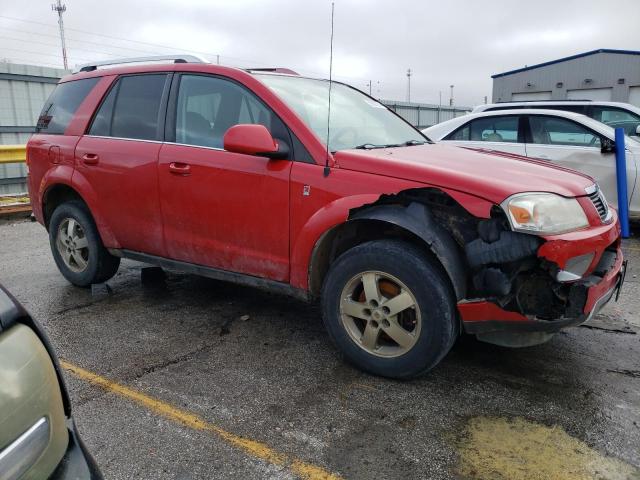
(561, 131)
(62, 104)
(131, 109)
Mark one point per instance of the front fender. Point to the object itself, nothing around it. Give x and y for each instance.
(319, 223)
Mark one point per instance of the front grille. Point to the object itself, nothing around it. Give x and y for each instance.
(600, 203)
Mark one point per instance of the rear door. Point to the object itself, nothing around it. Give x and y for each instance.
(117, 160)
(570, 144)
(499, 132)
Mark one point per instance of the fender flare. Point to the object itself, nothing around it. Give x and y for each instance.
(83, 189)
(417, 219)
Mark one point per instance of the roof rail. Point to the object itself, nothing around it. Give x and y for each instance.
(89, 67)
(545, 101)
(286, 71)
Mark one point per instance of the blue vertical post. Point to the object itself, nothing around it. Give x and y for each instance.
(621, 178)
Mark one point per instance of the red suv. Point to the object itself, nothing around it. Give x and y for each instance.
(237, 175)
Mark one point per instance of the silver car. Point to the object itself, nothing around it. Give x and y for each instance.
(565, 138)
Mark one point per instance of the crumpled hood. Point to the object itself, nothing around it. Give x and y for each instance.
(491, 175)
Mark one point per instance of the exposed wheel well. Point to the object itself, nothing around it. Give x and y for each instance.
(348, 235)
(55, 196)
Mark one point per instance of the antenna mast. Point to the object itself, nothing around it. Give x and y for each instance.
(60, 8)
(326, 162)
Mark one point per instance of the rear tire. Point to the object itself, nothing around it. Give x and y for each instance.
(390, 309)
(77, 248)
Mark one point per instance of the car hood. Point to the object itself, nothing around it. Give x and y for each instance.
(484, 173)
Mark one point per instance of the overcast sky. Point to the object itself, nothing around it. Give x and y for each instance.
(443, 42)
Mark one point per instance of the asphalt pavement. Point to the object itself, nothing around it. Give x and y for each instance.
(191, 378)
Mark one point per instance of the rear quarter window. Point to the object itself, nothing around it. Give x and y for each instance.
(62, 104)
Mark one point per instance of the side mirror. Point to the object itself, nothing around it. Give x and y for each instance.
(638, 130)
(252, 139)
(608, 146)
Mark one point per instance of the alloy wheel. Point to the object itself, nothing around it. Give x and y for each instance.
(73, 246)
(380, 314)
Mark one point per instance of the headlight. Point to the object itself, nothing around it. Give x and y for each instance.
(544, 213)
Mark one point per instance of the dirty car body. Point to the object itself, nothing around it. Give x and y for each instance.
(399, 238)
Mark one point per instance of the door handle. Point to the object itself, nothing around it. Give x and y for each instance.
(90, 158)
(179, 168)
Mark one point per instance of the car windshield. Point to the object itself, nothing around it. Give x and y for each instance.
(357, 121)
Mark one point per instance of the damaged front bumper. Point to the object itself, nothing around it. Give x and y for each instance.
(582, 299)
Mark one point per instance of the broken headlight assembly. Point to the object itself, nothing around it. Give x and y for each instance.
(544, 213)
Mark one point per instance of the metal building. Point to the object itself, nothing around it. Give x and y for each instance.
(23, 91)
(605, 74)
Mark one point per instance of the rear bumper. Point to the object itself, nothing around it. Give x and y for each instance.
(594, 292)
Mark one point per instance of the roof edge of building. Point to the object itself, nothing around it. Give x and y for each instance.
(564, 59)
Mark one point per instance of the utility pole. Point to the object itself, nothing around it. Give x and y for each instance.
(369, 85)
(60, 8)
(408, 85)
(439, 105)
(451, 96)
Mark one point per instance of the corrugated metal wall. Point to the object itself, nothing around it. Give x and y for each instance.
(23, 91)
(617, 71)
(423, 115)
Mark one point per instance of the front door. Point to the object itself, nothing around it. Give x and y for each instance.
(570, 144)
(117, 161)
(221, 209)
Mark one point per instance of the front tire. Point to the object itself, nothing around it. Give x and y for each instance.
(77, 248)
(389, 308)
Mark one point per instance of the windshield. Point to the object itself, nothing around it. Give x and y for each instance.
(357, 121)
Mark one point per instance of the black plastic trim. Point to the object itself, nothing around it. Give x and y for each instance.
(215, 273)
(77, 463)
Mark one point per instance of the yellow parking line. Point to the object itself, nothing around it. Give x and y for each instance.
(254, 448)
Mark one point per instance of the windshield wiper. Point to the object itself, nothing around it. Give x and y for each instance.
(408, 143)
(371, 146)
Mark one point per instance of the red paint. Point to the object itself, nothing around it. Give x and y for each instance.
(608, 282)
(560, 248)
(231, 211)
(246, 213)
(482, 311)
(249, 139)
(123, 189)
